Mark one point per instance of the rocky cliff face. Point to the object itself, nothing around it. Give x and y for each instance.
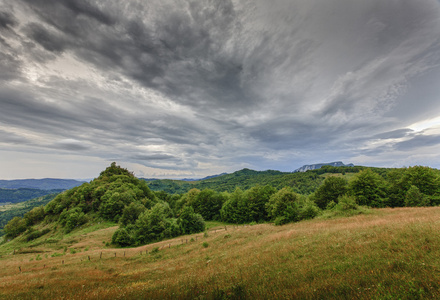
(318, 166)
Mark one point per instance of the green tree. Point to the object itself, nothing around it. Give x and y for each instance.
(122, 238)
(190, 222)
(331, 189)
(74, 218)
(34, 216)
(424, 178)
(234, 209)
(255, 204)
(283, 207)
(208, 203)
(131, 213)
(15, 227)
(414, 197)
(368, 188)
(154, 224)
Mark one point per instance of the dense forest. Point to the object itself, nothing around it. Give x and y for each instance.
(146, 216)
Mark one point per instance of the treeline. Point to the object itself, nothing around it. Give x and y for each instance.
(145, 216)
(302, 183)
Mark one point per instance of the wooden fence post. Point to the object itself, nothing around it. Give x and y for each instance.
(100, 255)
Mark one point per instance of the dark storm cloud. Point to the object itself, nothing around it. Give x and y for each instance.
(7, 20)
(179, 54)
(195, 84)
(50, 40)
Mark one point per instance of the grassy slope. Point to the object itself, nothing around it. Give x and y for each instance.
(387, 254)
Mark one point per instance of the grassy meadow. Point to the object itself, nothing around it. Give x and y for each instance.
(385, 254)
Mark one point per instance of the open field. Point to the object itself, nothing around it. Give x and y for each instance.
(388, 254)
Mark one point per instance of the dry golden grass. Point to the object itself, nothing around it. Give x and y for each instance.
(389, 254)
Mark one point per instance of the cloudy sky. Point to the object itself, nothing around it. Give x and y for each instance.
(189, 88)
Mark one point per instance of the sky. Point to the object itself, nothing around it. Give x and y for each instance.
(191, 88)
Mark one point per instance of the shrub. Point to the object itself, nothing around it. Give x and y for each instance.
(74, 217)
(122, 238)
(190, 222)
(308, 210)
(15, 227)
(130, 213)
(205, 245)
(346, 203)
(36, 234)
(283, 206)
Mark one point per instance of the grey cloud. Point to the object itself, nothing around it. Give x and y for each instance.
(70, 145)
(221, 82)
(7, 20)
(10, 137)
(419, 141)
(152, 157)
(395, 134)
(50, 40)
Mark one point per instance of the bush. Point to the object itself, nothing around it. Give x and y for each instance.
(122, 238)
(309, 210)
(36, 234)
(346, 203)
(283, 206)
(130, 213)
(190, 222)
(73, 218)
(15, 227)
(153, 225)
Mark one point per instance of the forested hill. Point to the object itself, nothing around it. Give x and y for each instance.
(23, 194)
(301, 182)
(41, 184)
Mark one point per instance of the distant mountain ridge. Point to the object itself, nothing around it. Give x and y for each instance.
(204, 178)
(41, 184)
(306, 168)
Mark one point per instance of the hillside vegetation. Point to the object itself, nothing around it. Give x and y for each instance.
(10, 211)
(92, 241)
(145, 216)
